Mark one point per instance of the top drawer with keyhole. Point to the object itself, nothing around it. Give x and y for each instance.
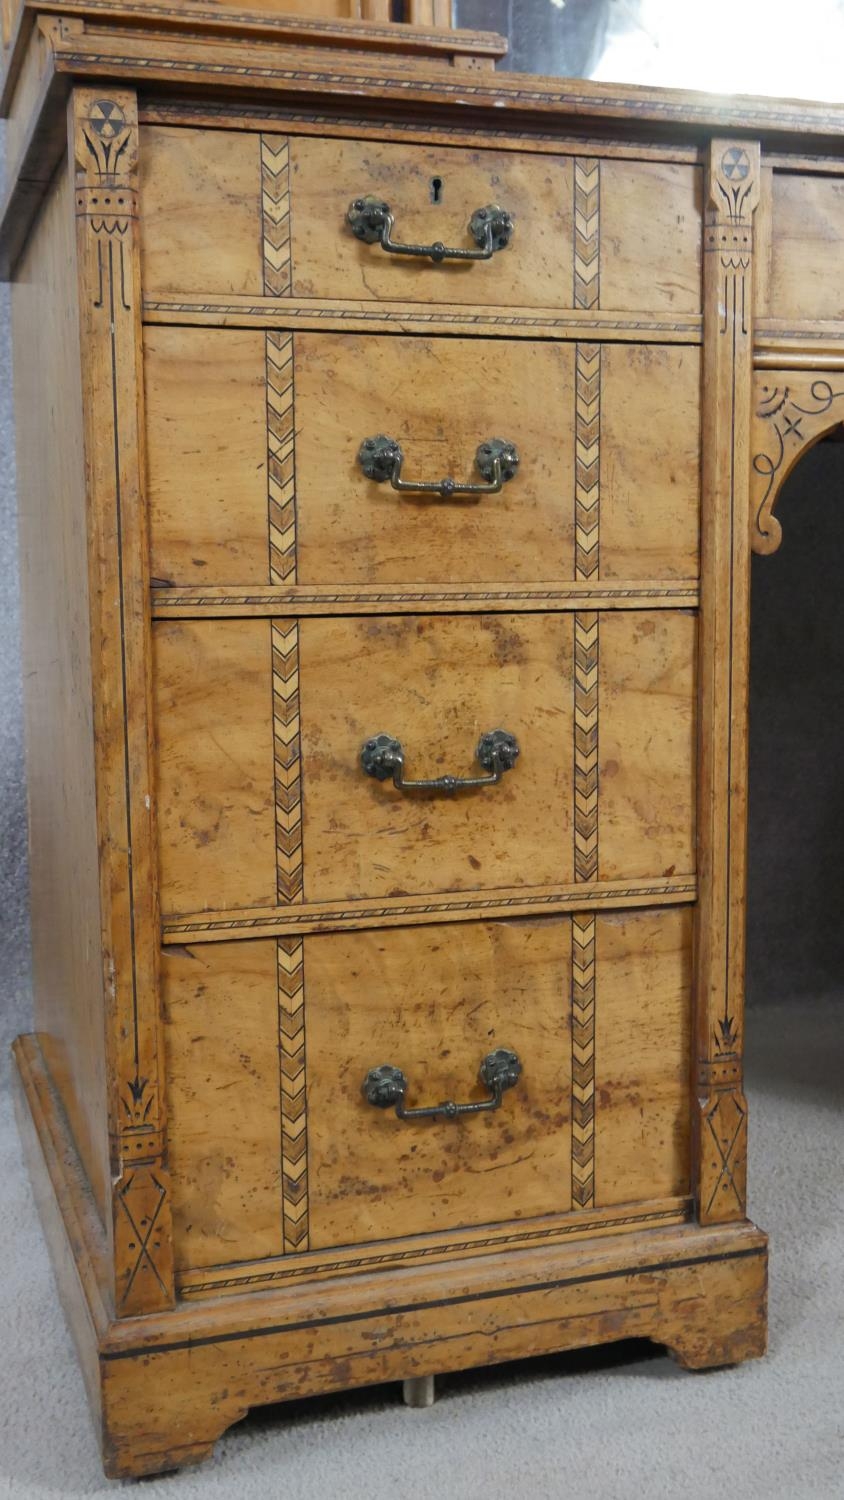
(228, 213)
(236, 213)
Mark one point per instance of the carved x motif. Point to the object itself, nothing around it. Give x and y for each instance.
(150, 1201)
(727, 1135)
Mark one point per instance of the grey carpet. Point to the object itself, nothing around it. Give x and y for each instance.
(609, 1424)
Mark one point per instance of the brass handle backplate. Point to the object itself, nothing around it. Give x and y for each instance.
(382, 756)
(381, 459)
(372, 221)
(385, 1087)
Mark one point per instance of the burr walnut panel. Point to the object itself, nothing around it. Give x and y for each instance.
(440, 398)
(650, 461)
(253, 473)
(643, 966)
(650, 237)
(436, 684)
(214, 764)
(646, 737)
(223, 1100)
(201, 222)
(434, 1004)
(807, 244)
(206, 406)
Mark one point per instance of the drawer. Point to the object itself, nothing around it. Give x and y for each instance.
(234, 213)
(202, 224)
(262, 1163)
(436, 684)
(223, 405)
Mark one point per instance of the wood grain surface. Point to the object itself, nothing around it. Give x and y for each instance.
(643, 1014)
(807, 235)
(222, 609)
(67, 944)
(221, 1032)
(306, 401)
(435, 1007)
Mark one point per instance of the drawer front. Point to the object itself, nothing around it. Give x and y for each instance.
(227, 726)
(233, 213)
(274, 1149)
(202, 188)
(253, 440)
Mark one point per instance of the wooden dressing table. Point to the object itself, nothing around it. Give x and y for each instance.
(383, 421)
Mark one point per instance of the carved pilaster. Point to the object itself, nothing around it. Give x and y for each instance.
(103, 144)
(732, 191)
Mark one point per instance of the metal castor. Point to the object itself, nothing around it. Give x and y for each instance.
(419, 1390)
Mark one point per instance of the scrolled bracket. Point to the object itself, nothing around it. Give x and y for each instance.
(792, 412)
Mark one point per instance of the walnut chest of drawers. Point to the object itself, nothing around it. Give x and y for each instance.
(382, 421)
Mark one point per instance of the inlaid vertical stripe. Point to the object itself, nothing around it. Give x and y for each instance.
(275, 213)
(586, 692)
(294, 1112)
(281, 458)
(587, 444)
(587, 625)
(287, 759)
(587, 232)
(583, 1061)
(586, 668)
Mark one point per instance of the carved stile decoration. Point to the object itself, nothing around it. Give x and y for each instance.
(733, 192)
(104, 147)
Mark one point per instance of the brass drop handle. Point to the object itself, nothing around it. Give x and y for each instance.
(381, 459)
(382, 756)
(386, 1086)
(372, 221)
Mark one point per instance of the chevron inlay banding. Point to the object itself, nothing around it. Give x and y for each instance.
(287, 758)
(275, 212)
(587, 448)
(587, 232)
(586, 666)
(583, 1061)
(294, 1112)
(281, 458)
